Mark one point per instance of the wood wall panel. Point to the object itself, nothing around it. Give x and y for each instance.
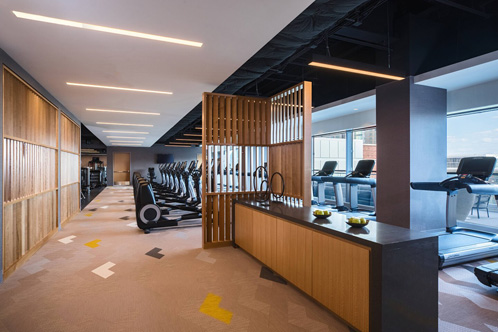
(281, 156)
(70, 168)
(345, 291)
(30, 173)
(26, 223)
(28, 116)
(70, 201)
(28, 169)
(70, 135)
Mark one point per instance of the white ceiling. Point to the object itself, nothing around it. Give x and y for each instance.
(231, 30)
(463, 74)
(358, 103)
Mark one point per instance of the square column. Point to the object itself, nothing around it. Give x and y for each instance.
(411, 147)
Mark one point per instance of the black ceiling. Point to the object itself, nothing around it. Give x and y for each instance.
(412, 37)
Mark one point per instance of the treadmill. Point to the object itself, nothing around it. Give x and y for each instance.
(460, 245)
(487, 274)
(361, 175)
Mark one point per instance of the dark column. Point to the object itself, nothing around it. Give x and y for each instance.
(411, 147)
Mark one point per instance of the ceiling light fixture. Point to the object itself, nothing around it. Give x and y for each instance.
(125, 137)
(118, 88)
(119, 141)
(125, 144)
(125, 132)
(124, 124)
(352, 67)
(200, 135)
(117, 111)
(177, 146)
(198, 128)
(189, 139)
(100, 28)
(181, 143)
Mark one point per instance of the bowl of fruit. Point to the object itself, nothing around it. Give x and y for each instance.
(322, 214)
(357, 222)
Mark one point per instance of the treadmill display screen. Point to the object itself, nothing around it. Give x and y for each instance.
(481, 167)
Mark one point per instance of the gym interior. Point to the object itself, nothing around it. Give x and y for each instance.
(249, 165)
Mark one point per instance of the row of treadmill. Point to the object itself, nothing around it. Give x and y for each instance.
(457, 245)
(173, 202)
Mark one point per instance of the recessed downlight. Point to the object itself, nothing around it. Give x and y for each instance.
(100, 28)
(118, 88)
(119, 111)
(124, 124)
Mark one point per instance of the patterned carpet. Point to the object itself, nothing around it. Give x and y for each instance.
(102, 273)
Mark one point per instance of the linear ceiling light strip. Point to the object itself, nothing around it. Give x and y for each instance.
(119, 111)
(124, 124)
(118, 88)
(100, 28)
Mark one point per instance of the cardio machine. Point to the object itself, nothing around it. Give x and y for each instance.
(459, 245)
(360, 175)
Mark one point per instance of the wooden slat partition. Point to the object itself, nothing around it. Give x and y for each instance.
(290, 149)
(243, 133)
(70, 168)
(30, 174)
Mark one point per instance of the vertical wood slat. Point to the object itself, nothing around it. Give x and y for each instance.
(252, 128)
(30, 176)
(242, 128)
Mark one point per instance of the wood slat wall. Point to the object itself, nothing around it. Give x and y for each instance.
(70, 168)
(290, 149)
(70, 203)
(27, 116)
(70, 135)
(243, 133)
(30, 170)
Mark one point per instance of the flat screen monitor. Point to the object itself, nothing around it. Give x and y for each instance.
(164, 158)
(481, 167)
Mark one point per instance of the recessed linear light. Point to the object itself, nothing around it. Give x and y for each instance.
(125, 132)
(189, 139)
(117, 111)
(200, 135)
(198, 128)
(118, 88)
(124, 124)
(177, 146)
(181, 143)
(100, 28)
(125, 137)
(118, 141)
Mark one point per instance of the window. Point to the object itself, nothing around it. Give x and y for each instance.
(365, 146)
(474, 134)
(330, 147)
(362, 144)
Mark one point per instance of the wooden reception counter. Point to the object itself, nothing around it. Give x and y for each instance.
(376, 278)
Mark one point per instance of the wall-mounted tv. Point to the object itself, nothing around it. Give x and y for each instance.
(164, 158)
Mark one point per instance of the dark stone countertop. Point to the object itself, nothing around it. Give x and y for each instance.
(374, 234)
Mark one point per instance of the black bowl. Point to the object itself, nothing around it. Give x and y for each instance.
(357, 225)
(322, 216)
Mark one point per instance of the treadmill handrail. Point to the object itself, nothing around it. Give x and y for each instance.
(340, 179)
